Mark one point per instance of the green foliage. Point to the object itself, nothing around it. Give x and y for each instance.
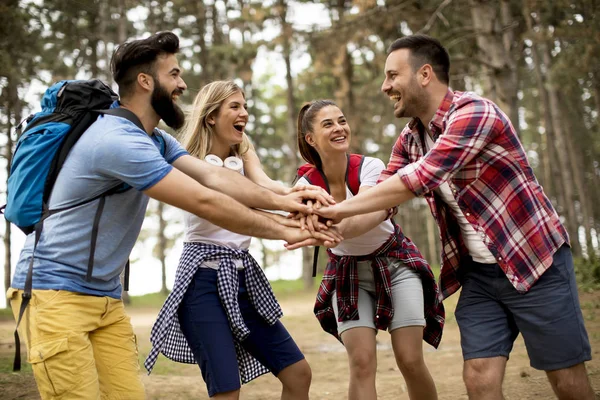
(151, 301)
(588, 272)
(6, 314)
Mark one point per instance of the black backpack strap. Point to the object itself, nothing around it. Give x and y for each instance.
(315, 261)
(26, 296)
(126, 277)
(88, 276)
(123, 113)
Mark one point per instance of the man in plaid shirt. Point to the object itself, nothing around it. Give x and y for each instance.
(502, 240)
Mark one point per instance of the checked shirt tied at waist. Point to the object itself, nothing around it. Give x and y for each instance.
(166, 336)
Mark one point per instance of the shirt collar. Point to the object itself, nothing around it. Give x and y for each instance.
(439, 115)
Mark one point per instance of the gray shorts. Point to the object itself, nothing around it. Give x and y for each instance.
(407, 298)
(491, 313)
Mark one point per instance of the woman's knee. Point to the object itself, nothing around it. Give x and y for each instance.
(296, 376)
(411, 362)
(362, 363)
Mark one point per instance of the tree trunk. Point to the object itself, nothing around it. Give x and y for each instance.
(494, 40)
(94, 38)
(286, 30)
(343, 71)
(563, 156)
(122, 27)
(433, 257)
(13, 113)
(203, 56)
(307, 261)
(551, 182)
(577, 167)
(104, 14)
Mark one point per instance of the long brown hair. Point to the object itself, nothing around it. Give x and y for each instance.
(306, 119)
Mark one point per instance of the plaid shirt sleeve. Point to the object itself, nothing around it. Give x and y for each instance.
(469, 128)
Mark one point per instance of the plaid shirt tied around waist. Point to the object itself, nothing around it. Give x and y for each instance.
(341, 275)
(478, 153)
(166, 336)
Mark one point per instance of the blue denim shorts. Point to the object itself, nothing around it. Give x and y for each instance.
(491, 313)
(205, 326)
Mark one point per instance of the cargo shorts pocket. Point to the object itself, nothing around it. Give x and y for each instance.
(51, 367)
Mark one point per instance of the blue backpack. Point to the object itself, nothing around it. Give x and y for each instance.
(68, 109)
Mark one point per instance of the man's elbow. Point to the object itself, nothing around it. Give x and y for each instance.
(204, 203)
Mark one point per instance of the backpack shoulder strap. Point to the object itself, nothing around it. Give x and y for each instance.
(355, 163)
(130, 116)
(313, 176)
(123, 113)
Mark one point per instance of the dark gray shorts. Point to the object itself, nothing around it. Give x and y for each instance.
(491, 313)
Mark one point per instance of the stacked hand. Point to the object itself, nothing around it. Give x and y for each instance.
(316, 225)
(299, 237)
(296, 199)
(306, 203)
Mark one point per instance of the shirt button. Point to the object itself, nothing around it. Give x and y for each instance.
(377, 316)
(499, 258)
(467, 214)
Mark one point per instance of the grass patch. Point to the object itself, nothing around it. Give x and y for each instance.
(150, 300)
(6, 314)
(283, 288)
(6, 362)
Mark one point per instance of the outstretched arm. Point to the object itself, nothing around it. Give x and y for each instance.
(242, 189)
(383, 196)
(350, 227)
(253, 170)
(179, 190)
(360, 224)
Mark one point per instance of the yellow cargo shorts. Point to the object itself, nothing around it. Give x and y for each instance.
(79, 346)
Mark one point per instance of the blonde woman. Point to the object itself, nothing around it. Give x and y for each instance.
(225, 317)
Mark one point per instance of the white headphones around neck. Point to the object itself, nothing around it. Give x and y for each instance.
(234, 163)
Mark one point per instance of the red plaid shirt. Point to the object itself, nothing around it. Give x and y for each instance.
(478, 153)
(341, 275)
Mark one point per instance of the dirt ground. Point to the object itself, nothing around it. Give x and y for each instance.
(328, 361)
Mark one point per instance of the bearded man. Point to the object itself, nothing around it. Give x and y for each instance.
(79, 339)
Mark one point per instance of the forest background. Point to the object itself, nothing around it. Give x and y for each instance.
(538, 60)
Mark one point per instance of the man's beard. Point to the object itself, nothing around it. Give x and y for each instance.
(165, 107)
(414, 102)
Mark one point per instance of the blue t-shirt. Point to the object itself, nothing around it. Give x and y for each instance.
(112, 151)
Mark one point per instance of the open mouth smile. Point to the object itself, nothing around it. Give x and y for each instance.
(239, 126)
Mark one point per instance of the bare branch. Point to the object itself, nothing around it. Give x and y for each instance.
(436, 13)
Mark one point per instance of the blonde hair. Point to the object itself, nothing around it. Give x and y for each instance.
(198, 134)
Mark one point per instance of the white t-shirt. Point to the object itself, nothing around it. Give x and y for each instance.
(200, 230)
(473, 240)
(370, 241)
